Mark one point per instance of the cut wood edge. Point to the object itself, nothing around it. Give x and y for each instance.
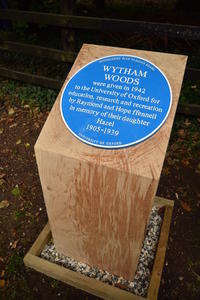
(41, 241)
(159, 201)
(160, 255)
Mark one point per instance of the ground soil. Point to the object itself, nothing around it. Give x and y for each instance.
(23, 215)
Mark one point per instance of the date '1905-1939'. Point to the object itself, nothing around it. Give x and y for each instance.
(104, 130)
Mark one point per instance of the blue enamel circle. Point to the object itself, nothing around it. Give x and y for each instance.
(116, 101)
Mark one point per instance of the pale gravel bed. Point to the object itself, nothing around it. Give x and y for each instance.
(140, 283)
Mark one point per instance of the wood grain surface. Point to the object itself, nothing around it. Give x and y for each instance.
(98, 201)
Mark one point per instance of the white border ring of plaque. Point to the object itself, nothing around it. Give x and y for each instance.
(116, 101)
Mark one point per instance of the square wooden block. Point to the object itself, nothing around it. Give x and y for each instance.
(99, 201)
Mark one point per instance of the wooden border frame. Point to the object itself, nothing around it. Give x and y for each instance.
(101, 24)
(94, 286)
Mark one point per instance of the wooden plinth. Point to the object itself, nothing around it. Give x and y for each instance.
(91, 285)
(98, 201)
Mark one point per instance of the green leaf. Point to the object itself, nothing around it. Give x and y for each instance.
(16, 191)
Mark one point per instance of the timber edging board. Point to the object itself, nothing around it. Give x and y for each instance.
(50, 53)
(102, 24)
(94, 286)
(31, 78)
(65, 56)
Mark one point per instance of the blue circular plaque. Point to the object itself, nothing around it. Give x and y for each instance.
(116, 101)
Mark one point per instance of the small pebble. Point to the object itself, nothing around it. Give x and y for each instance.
(181, 278)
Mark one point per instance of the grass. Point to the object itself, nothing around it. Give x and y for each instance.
(14, 272)
(194, 286)
(190, 92)
(18, 214)
(34, 96)
(16, 191)
(14, 265)
(54, 283)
